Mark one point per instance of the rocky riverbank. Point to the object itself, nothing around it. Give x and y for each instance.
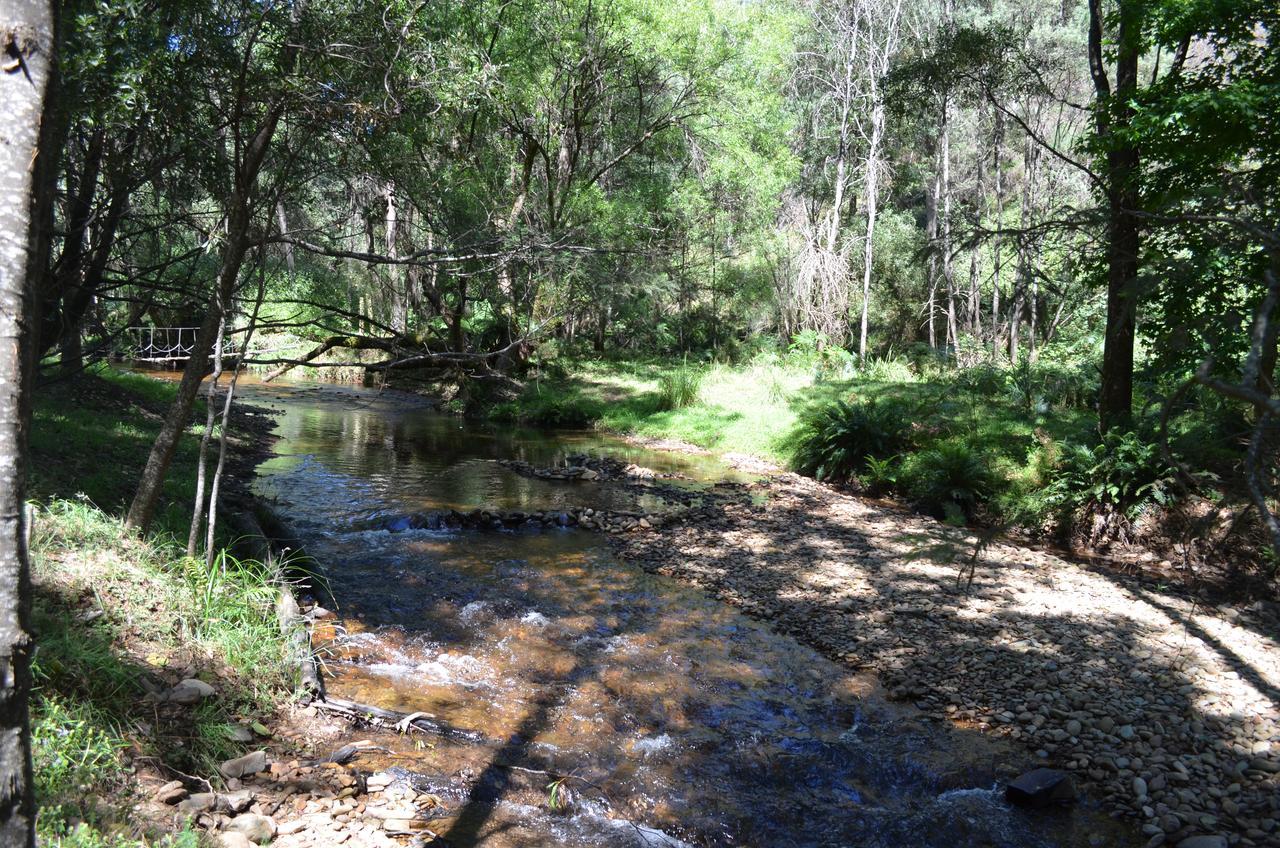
(1163, 707)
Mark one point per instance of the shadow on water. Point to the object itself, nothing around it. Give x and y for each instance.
(658, 715)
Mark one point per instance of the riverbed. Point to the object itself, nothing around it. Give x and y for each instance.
(597, 704)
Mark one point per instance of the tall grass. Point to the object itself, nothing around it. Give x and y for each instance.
(112, 610)
(679, 388)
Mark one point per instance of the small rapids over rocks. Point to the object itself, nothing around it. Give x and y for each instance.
(615, 707)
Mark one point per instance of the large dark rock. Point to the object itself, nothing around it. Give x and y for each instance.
(1041, 787)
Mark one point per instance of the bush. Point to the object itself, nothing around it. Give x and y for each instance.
(1040, 386)
(881, 475)
(986, 380)
(549, 408)
(950, 480)
(834, 443)
(679, 388)
(888, 369)
(1122, 474)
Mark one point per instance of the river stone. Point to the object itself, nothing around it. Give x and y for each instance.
(254, 827)
(236, 802)
(1139, 788)
(239, 733)
(1073, 728)
(171, 793)
(244, 766)
(199, 803)
(1040, 788)
(1203, 841)
(190, 691)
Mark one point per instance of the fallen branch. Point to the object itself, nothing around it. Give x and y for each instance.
(390, 718)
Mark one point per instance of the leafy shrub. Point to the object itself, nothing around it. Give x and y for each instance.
(550, 409)
(1123, 473)
(881, 475)
(950, 480)
(71, 749)
(888, 369)
(805, 345)
(986, 380)
(834, 443)
(1042, 385)
(679, 388)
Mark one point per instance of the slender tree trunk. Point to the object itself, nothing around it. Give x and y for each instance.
(931, 268)
(1031, 280)
(1124, 240)
(27, 160)
(282, 221)
(142, 509)
(998, 241)
(975, 296)
(216, 487)
(873, 165)
(948, 269)
(399, 295)
(197, 510)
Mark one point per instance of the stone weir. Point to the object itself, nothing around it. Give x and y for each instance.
(609, 521)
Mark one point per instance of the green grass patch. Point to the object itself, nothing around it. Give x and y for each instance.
(91, 436)
(118, 617)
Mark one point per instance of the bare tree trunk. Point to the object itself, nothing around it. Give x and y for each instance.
(997, 242)
(226, 416)
(282, 221)
(27, 84)
(1124, 239)
(399, 295)
(879, 56)
(931, 232)
(948, 269)
(197, 511)
(948, 266)
(979, 194)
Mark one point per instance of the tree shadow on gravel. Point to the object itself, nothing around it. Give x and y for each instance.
(1096, 683)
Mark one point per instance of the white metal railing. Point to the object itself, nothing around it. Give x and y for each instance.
(165, 344)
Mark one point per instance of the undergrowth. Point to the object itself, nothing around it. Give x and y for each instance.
(992, 443)
(118, 618)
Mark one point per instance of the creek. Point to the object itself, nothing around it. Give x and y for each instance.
(596, 704)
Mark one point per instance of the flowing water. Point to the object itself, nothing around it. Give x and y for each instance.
(596, 704)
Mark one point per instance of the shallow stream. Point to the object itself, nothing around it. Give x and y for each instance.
(596, 704)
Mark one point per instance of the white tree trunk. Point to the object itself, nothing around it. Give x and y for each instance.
(27, 30)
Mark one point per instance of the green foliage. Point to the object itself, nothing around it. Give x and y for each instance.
(74, 749)
(881, 474)
(834, 442)
(1123, 473)
(679, 388)
(950, 480)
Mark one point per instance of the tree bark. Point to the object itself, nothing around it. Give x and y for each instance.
(997, 243)
(1124, 239)
(27, 83)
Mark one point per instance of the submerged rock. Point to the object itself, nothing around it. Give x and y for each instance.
(1040, 788)
(1210, 841)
